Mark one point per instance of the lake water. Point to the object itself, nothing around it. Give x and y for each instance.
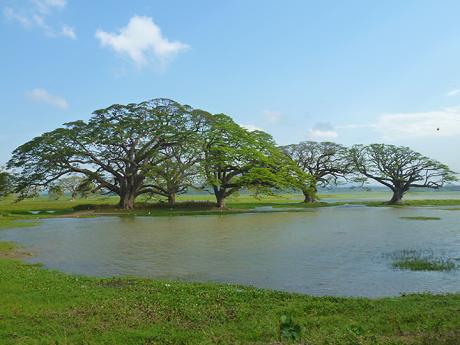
(327, 251)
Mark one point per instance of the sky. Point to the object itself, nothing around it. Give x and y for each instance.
(353, 72)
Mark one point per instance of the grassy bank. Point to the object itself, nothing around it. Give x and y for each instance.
(47, 307)
(42, 207)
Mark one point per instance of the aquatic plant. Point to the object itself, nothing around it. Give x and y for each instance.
(421, 260)
(420, 218)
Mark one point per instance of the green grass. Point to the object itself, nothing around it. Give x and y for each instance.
(416, 260)
(8, 222)
(39, 306)
(420, 218)
(431, 202)
(6, 247)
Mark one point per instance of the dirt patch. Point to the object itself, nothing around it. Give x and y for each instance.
(10, 250)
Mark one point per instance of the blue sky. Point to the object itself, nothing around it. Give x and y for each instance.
(346, 71)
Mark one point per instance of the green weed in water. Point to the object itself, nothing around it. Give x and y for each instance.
(421, 260)
(420, 218)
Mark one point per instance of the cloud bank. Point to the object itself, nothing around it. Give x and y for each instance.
(36, 15)
(142, 41)
(442, 123)
(43, 96)
(322, 132)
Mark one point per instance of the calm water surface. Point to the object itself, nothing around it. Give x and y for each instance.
(328, 251)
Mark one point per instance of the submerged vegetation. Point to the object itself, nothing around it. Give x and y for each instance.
(420, 218)
(421, 260)
(47, 307)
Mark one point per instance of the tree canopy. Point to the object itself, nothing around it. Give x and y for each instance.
(325, 162)
(115, 149)
(179, 171)
(399, 168)
(236, 158)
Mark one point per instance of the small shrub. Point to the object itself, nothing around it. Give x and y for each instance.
(289, 330)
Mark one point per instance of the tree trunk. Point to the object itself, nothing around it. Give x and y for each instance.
(220, 198)
(309, 199)
(172, 199)
(127, 201)
(397, 197)
(310, 194)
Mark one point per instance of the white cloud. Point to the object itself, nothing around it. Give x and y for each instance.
(45, 6)
(322, 131)
(41, 95)
(355, 125)
(443, 123)
(272, 116)
(12, 14)
(36, 15)
(251, 128)
(69, 32)
(141, 40)
(453, 92)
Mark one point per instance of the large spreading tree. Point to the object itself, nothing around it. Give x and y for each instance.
(235, 159)
(115, 149)
(325, 162)
(399, 168)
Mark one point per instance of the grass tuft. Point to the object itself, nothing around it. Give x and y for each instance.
(421, 260)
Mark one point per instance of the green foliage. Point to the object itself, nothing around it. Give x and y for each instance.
(84, 189)
(6, 184)
(180, 170)
(236, 158)
(76, 186)
(55, 192)
(114, 149)
(289, 330)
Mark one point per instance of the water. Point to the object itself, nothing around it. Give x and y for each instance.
(328, 251)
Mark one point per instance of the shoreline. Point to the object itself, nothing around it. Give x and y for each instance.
(130, 309)
(10, 214)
